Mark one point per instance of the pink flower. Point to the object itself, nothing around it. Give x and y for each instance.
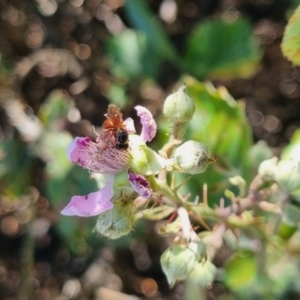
(103, 157)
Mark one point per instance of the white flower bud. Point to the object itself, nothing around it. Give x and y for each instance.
(179, 261)
(179, 107)
(288, 175)
(203, 273)
(116, 222)
(193, 157)
(268, 168)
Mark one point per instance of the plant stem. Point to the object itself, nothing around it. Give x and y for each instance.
(27, 254)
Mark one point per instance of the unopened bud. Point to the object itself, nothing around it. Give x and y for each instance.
(203, 273)
(288, 175)
(179, 260)
(116, 222)
(193, 157)
(179, 107)
(268, 168)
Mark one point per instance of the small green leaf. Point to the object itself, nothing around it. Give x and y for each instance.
(130, 55)
(291, 215)
(141, 18)
(292, 150)
(240, 271)
(17, 167)
(52, 147)
(54, 108)
(117, 221)
(294, 242)
(167, 228)
(230, 240)
(258, 153)
(216, 49)
(243, 220)
(158, 213)
(285, 230)
(117, 95)
(229, 194)
(291, 39)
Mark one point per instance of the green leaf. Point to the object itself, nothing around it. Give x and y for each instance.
(158, 213)
(117, 95)
(294, 242)
(53, 109)
(216, 49)
(17, 167)
(141, 18)
(289, 222)
(230, 240)
(258, 153)
(130, 55)
(220, 123)
(291, 39)
(291, 215)
(243, 220)
(52, 147)
(165, 228)
(292, 150)
(240, 271)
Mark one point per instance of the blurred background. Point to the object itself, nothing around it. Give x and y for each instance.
(62, 62)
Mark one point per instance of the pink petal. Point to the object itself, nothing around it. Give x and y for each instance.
(139, 184)
(77, 151)
(129, 125)
(101, 156)
(148, 124)
(92, 204)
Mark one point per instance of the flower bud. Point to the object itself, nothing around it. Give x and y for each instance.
(203, 273)
(179, 107)
(179, 260)
(288, 175)
(268, 168)
(116, 222)
(193, 157)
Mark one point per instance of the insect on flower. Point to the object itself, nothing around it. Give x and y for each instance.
(107, 156)
(115, 126)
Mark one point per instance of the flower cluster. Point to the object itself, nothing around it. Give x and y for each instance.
(135, 158)
(102, 156)
(118, 150)
(131, 174)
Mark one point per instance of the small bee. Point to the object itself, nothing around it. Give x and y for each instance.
(114, 124)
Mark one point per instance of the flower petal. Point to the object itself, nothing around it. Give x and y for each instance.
(101, 156)
(129, 125)
(77, 151)
(148, 124)
(92, 204)
(139, 184)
